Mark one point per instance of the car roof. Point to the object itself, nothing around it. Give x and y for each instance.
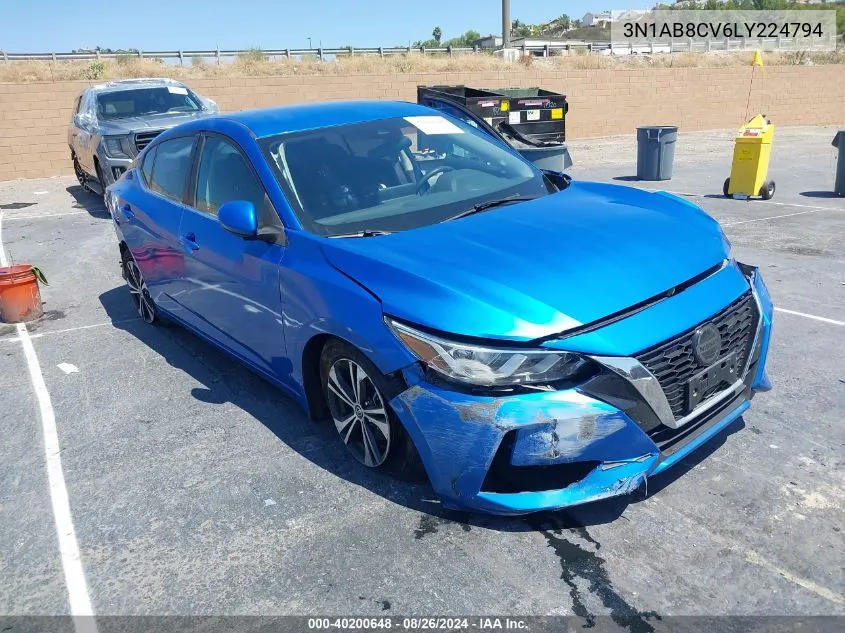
(135, 84)
(310, 116)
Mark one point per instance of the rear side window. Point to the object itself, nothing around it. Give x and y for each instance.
(147, 166)
(172, 166)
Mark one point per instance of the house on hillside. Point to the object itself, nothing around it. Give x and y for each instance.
(606, 18)
(598, 20)
(488, 42)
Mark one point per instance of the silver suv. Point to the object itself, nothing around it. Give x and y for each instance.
(113, 122)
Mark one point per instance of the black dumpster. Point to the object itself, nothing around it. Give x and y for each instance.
(656, 151)
(537, 114)
(839, 183)
(531, 120)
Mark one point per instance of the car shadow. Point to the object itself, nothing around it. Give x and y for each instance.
(223, 381)
(819, 194)
(91, 202)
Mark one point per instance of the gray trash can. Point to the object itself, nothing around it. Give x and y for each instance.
(839, 184)
(656, 151)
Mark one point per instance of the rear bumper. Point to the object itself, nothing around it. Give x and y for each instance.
(547, 450)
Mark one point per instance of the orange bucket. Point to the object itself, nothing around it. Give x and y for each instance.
(20, 298)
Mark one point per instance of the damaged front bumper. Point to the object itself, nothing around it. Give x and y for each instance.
(546, 450)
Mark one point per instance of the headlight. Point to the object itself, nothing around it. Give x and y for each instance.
(487, 366)
(114, 147)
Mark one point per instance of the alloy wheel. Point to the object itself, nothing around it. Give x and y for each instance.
(139, 292)
(359, 413)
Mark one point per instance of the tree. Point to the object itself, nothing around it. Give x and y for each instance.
(563, 22)
(521, 29)
(437, 34)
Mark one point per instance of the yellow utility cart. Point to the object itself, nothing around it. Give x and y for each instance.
(750, 167)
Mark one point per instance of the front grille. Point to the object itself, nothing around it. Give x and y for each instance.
(142, 139)
(673, 362)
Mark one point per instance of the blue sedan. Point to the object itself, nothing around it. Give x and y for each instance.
(526, 341)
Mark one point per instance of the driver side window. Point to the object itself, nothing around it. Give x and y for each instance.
(225, 175)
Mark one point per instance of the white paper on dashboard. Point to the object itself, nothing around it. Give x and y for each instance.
(433, 124)
(177, 90)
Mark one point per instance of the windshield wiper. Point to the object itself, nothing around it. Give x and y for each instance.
(489, 204)
(364, 233)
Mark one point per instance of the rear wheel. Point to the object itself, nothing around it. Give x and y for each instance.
(354, 390)
(726, 187)
(138, 289)
(767, 190)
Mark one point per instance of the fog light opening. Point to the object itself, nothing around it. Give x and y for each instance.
(506, 478)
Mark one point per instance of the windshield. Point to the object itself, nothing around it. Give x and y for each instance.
(146, 101)
(394, 174)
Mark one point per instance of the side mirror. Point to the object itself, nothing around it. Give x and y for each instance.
(82, 120)
(558, 179)
(210, 105)
(239, 217)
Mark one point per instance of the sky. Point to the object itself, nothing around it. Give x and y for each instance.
(36, 26)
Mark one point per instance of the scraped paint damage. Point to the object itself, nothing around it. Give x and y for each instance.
(458, 434)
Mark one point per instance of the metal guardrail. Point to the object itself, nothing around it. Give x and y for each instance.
(220, 54)
(544, 50)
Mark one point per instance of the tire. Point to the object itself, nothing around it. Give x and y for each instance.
(100, 178)
(144, 303)
(361, 414)
(767, 191)
(726, 187)
(79, 172)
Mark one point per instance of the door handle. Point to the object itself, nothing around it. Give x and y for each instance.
(189, 241)
(127, 212)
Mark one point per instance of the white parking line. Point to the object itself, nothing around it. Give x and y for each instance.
(772, 217)
(753, 557)
(810, 316)
(813, 207)
(15, 339)
(80, 602)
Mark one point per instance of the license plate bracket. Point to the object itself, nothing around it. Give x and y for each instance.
(722, 371)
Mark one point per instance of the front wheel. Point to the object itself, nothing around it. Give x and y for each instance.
(100, 177)
(767, 190)
(138, 289)
(726, 187)
(78, 171)
(354, 390)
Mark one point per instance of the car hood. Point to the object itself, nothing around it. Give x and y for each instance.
(537, 268)
(134, 124)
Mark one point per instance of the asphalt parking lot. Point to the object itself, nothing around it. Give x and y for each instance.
(197, 488)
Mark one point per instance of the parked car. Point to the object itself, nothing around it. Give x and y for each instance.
(534, 342)
(112, 122)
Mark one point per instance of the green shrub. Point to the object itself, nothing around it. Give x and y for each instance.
(95, 70)
(253, 55)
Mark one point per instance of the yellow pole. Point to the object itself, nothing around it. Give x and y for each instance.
(758, 61)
